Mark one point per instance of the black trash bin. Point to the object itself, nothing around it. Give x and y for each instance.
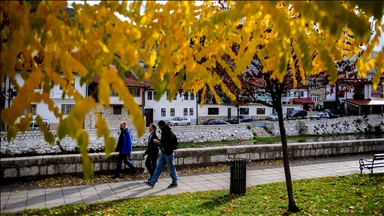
(238, 175)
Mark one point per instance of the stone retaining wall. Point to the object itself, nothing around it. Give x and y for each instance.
(32, 142)
(60, 164)
(344, 125)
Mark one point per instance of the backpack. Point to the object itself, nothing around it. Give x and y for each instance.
(174, 141)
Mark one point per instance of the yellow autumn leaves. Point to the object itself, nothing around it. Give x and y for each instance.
(87, 39)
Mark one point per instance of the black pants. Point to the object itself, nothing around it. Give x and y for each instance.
(123, 158)
(150, 162)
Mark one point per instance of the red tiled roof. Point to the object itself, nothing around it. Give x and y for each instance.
(128, 82)
(302, 100)
(371, 102)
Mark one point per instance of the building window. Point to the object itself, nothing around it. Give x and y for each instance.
(213, 111)
(72, 83)
(315, 98)
(313, 84)
(185, 111)
(244, 111)
(135, 92)
(191, 111)
(192, 96)
(149, 95)
(172, 111)
(154, 94)
(186, 95)
(299, 94)
(289, 110)
(117, 110)
(167, 95)
(31, 110)
(359, 91)
(260, 111)
(66, 108)
(113, 93)
(163, 111)
(175, 98)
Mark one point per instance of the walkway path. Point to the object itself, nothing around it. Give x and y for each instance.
(15, 199)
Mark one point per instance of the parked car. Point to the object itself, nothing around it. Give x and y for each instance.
(215, 122)
(179, 121)
(320, 115)
(274, 117)
(35, 126)
(242, 119)
(297, 114)
(332, 113)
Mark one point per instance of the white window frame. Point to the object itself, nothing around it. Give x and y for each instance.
(66, 108)
(244, 111)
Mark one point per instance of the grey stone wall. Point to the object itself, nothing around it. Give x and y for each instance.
(112, 120)
(343, 125)
(32, 142)
(61, 164)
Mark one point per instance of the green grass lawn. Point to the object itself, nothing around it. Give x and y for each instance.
(278, 139)
(354, 194)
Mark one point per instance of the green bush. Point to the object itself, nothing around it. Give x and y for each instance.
(301, 127)
(378, 130)
(267, 130)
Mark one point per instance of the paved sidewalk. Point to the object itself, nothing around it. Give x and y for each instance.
(15, 199)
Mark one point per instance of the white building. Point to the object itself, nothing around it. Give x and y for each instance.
(65, 105)
(229, 111)
(182, 105)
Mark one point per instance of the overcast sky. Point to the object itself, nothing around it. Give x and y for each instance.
(377, 48)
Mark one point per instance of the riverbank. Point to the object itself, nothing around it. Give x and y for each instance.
(71, 164)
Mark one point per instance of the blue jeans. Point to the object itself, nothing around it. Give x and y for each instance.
(123, 158)
(164, 159)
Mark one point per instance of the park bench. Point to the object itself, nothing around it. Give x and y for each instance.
(376, 162)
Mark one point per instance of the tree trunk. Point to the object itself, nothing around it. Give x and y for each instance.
(291, 200)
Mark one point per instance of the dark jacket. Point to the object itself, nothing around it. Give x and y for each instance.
(165, 141)
(153, 148)
(124, 144)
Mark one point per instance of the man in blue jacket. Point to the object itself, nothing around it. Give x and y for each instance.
(124, 147)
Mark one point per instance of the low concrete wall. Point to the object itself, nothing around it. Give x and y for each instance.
(60, 164)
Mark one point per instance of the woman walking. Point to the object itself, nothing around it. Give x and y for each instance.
(152, 151)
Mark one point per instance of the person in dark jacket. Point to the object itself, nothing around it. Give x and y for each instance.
(124, 147)
(166, 157)
(152, 151)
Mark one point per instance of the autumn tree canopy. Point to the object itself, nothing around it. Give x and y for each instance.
(261, 84)
(56, 42)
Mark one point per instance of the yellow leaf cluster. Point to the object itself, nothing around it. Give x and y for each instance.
(87, 39)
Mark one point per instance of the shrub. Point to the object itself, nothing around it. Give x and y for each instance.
(378, 129)
(267, 130)
(254, 135)
(369, 127)
(301, 127)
